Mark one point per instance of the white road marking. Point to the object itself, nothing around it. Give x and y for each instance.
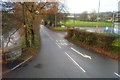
(62, 40)
(86, 56)
(45, 32)
(17, 65)
(65, 44)
(75, 62)
(62, 43)
(58, 45)
(56, 40)
(116, 74)
(50, 37)
(21, 63)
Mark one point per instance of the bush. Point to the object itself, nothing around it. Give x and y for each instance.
(98, 40)
(116, 42)
(70, 33)
(104, 41)
(36, 43)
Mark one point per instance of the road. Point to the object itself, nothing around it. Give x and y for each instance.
(99, 29)
(59, 58)
(92, 29)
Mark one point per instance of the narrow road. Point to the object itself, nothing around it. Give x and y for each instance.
(59, 58)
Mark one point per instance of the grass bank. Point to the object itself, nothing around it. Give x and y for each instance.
(58, 28)
(71, 23)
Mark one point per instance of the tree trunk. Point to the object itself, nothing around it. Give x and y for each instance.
(33, 37)
(26, 38)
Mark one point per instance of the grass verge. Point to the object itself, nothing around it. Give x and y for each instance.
(71, 23)
(58, 28)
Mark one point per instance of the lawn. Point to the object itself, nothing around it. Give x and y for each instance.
(77, 23)
(59, 28)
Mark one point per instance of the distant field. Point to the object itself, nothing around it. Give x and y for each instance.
(71, 23)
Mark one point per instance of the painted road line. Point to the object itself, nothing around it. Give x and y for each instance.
(56, 40)
(49, 36)
(75, 62)
(45, 32)
(116, 74)
(58, 45)
(21, 63)
(86, 56)
(65, 44)
(16, 66)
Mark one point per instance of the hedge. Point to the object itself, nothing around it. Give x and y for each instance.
(98, 40)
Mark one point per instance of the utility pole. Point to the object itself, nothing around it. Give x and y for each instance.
(98, 16)
(74, 19)
(113, 19)
(56, 6)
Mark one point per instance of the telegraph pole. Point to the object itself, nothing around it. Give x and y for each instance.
(98, 16)
(56, 5)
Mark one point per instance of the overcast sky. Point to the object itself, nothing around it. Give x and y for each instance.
(79, 6)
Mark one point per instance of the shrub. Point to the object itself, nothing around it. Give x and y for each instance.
(98, 40)
(116, 42)
(36, 43)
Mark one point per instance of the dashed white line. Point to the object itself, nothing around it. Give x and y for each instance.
(86, 56)
(58, 45)
(116, 74)
(65, 44)
(62, 40)
(56, 40)
(50, 37)
(75, 62)
(45, 32)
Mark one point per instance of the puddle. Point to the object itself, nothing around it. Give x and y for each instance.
(38, 66)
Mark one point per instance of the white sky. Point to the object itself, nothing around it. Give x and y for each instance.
(79, 6)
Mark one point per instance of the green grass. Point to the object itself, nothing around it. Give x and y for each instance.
(116, 42)
(72, 23)
(60, 28)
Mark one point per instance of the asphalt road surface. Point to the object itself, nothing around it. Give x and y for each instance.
(59, 58)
